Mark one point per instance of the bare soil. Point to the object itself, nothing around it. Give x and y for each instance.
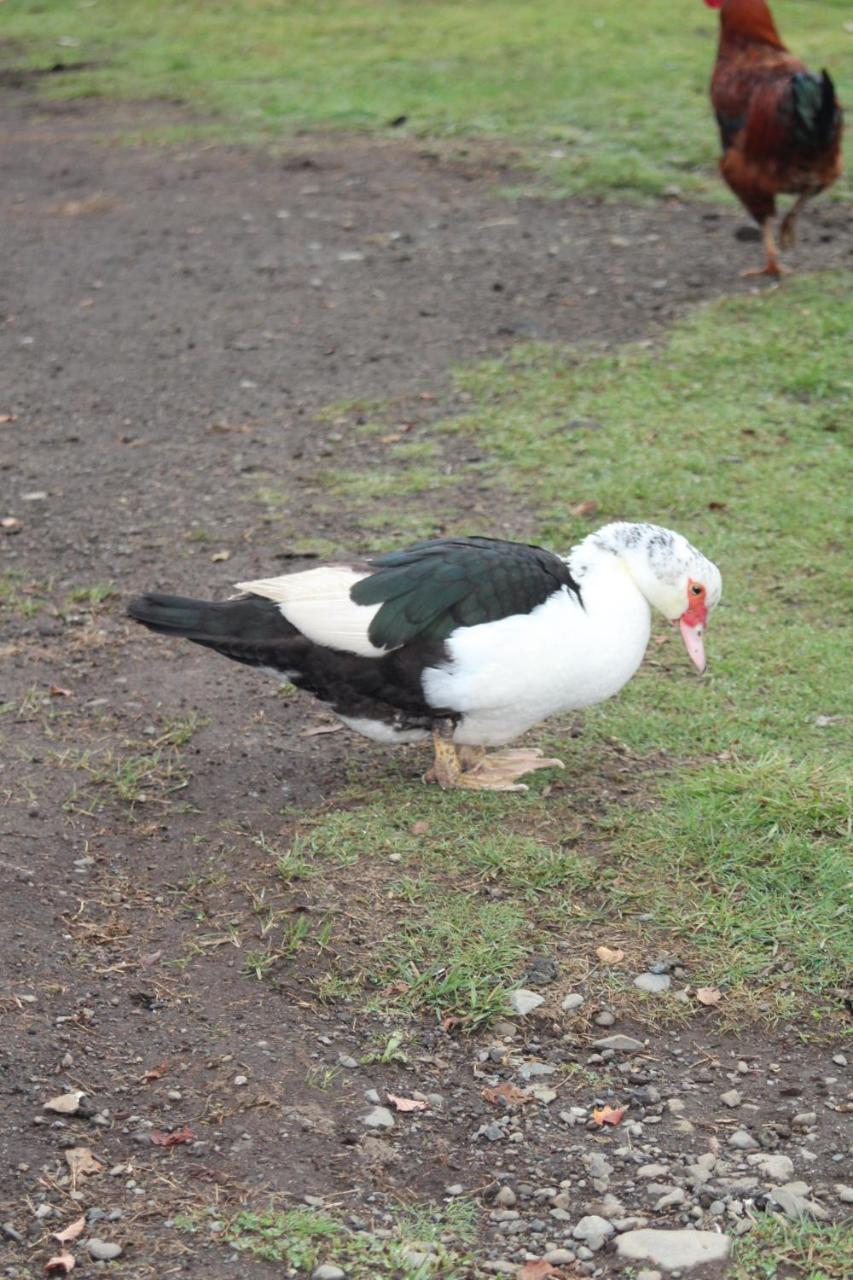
(173, 318)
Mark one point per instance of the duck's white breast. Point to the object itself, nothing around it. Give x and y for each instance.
(508, 675)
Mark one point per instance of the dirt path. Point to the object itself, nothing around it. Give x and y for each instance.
(171, 320)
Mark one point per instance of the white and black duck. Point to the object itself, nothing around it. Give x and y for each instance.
(469, 640)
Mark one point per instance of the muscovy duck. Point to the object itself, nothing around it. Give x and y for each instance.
(469, 640)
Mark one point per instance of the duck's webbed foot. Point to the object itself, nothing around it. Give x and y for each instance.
(472, 769)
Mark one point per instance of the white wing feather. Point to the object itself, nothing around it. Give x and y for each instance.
(318, 602)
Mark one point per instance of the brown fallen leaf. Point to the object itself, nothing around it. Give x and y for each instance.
(57, 691)
(586, 508)
(8, 417)
(155, 1073)
(66, 1104)
(62, 1262)
(537, 1269)
(173, 1139)
(419, 828)
(608, 1115)
(609, 956)
(709, 995)
(71, 1232)
(81, 1162)
(507, 1093)
(406, 1104)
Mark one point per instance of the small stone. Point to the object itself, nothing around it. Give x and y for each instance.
(558, 1256)
(103, 1250)
(673, 1250)
(653, 1171)
(732, 1098)
(9, 1233)
(524, 1002)
(593, 1230)
(844, 1193)
(654, 983)
(839, 1059)
(794, 1204)
(506, 1197)
(805, 1119)
(328, 1271)
(571, 1002)
(240, 1081)
(378, 1118)
(621, 1044)
(456, 1189)
(742, 1141)
(673, 1197)
(648, 1274)
(776, 1168)
(604, 1019)
(344, 1060)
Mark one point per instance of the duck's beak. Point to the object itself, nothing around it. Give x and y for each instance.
(691, 634)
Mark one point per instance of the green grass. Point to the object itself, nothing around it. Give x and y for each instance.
(613, 97)
(734, 432)
(304, 1238)
(779, 1250)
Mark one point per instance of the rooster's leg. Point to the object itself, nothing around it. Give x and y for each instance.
(788, 229)
(772, 267)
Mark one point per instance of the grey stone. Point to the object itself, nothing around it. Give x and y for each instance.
(344, 1060)
(378, 1118)
(742, 1141)
(654, 983)
(621, 1044)
(593, 1230)
(670, 1198)
(328, 1271)
(524, 1002)
(557, 1256)
(777, 1168)
(456, 1189)
(604, 1019)
(9, 1233)
(571, 1002)
(653, 1171)
(648, 1274)
(506, 1197)
(795, 1205)
(103, 1250)
(732, 1098)
(673, 1250)
(844, 1193)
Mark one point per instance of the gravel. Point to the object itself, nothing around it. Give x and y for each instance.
(378, 1118)
(654, 983)
(103, 1250)
(524, 1001)
(673, 1250)
(619, 1043)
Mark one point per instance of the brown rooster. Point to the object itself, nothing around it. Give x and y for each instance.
(780, 124)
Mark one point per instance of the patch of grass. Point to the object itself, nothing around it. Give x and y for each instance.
(304, 1238)
(22, 599)
(778, 1250)
(92, 596)
(613, 97)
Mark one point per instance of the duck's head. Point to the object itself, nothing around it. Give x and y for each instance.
(674, 577)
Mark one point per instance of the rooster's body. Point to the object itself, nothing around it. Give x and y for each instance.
(780, 124)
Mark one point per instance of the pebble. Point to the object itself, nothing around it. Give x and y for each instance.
(103, 1250)
(524, 1001)
(558, 1256)
(328, 1271)
(655, 983)
(844, 1193)
(240, 1081)
(10, 1233)
(653, 1171)
(673, 1197)
(742, 1141)
(621, 1044)
(795, 1204)
(344, 1060)
(593, 1230)
(647, 1274)
(506, 1197)
(571, 1001)
(378, 1118)
(732, 1098)
(673, 1250)
(777, 1168)
(604, 1019)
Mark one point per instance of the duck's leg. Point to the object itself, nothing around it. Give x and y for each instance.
(471, 769)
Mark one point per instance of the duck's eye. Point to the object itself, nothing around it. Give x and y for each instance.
(697, 590)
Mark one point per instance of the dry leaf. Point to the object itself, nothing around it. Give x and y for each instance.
(587, 508)
(608, 1115)
(419, 828)
(709, 995)
(608, 956)
(508, 1093)
(66, 1104)
(152, 958)
(71, 1232)
(155, 1073)
(320, 728)
(173, 1139)
(8, 417)
(406, 1104)
(218, 556)
(81, 1161)
(63, 1262)
(9, 522)
(57, 691)
(537, 1270)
